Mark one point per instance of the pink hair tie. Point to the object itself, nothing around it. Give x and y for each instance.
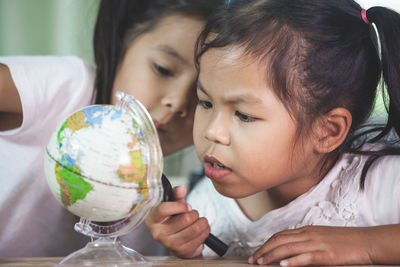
(364, 16)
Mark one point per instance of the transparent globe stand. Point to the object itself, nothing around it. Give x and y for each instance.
(105, 249)
(105, 252)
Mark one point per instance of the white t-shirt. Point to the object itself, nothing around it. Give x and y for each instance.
(32, 222)
(336, 201)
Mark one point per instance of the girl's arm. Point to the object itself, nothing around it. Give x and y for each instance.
(10, 103)
(325, 245)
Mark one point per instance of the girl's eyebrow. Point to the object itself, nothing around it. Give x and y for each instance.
(172, 52)
(247, 98)
(201, 88)
(235, 98)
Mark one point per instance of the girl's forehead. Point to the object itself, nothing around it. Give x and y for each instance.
(219, 63)
(231, 70)
(227, 57)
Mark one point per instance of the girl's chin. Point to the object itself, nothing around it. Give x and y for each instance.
(228, 191)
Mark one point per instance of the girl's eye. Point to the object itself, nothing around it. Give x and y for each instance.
(163, 71)
(205, 104)
(244, 118)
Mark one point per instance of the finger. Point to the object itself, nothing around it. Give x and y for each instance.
(166, 209)
(179, 222)
(198, 251)
(191, 254)
(180, 193)
(312, 258)
(280, 239)
(186, 242)
(285, 251)
(195, 234)
(166, 231)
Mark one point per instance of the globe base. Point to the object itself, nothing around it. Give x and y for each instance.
(104, 252)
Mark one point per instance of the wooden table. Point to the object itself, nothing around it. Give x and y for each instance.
(156, 260)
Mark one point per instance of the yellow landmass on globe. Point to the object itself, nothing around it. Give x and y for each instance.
(142, 190)
(135, 171)
(77, 122)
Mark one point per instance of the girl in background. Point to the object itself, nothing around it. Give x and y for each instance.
(144, 48)
(295, 175)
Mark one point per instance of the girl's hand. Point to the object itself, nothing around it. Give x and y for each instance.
(321, 245)
(177, 226)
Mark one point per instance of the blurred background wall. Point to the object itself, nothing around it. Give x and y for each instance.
(60, 27)
(65, 27)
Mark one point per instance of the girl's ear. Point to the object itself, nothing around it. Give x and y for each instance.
(331, 130)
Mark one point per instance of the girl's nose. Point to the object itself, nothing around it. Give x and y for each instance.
(217, 131)
(176, 104)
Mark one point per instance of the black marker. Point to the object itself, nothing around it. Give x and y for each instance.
(211, 241)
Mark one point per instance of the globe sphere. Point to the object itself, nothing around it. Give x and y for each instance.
(104, 162)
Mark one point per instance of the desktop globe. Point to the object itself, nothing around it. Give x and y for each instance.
(97, 163)
(104, 164)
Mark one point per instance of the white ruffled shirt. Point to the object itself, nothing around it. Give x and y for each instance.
(336, 201)
(32, 222)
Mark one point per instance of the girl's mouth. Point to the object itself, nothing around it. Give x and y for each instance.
(214, 169)
(218, 166)
(160, 128)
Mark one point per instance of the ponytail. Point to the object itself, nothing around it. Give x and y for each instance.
(388, 25)
(386, 38)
